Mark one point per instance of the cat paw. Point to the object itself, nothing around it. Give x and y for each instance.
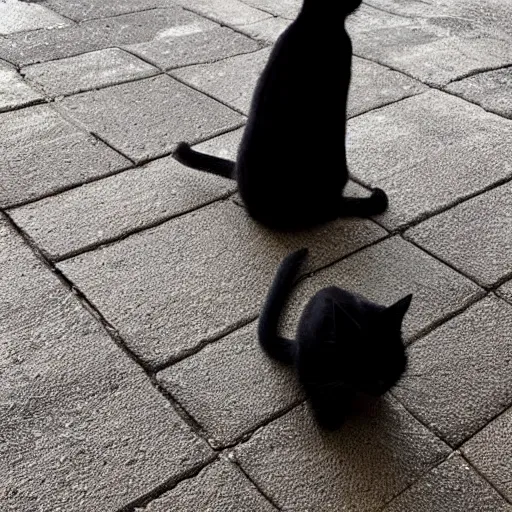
(379, 201)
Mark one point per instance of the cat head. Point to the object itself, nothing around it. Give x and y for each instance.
(343, 7)
(364, 345)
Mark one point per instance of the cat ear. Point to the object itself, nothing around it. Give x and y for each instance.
(395, 313)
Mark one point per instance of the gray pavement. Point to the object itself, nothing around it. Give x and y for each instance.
(130, 285)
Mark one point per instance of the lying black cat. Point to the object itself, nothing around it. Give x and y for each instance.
(345, 344)
(291, 166)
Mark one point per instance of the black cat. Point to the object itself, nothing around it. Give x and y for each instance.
(345, 344)
(291, 166)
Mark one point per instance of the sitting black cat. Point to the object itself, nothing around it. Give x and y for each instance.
(291, 166)
(345, 344)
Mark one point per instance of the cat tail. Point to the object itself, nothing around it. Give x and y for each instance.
(213, 164)
(275, 346)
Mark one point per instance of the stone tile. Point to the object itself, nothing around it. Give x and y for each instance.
(288, 9)
(369, 19)
(505, 291)
(459, 376)
(492, 91)
(225, 146)
(14, 91)
(230, 387)
(436, 50)
(374, 456)
(92, 9)
(490, 451)
(229, 12)
(373, 86)
(232, 80)
(19, 16)
(194, 278)
(82, 428)
(108, 208)
(386, 272)
(45, 45)
(267, 30)
(451, 487)
(87, 71)
(42, 153)
(147, 118)
(412, 148)
(474, 236)
(193, 45)
(221, 486)
(410, 8)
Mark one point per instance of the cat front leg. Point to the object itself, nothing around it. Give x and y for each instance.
(364, 206)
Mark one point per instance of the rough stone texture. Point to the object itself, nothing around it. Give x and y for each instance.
(460, 375)
(42, 153)
(87, 71)
(147, 118)
(19, 16)
(267, 30)
(434, 50)
(14, 92)
(387, 272)
(229, 12)
(373, 86)
(427, 152)
(369, 19)
(219, 487)
(194, 278)
(411, 8)
(225, 146)
(193, 44)
(81, 426)
(232, 81)
(108, 208)
(492, 91)
(491, 452)
(451, 487)
(375, 455)
(505, 291)
(44, 45)
(285, 8)
(231, 386)
(475, 236)
(81, 10)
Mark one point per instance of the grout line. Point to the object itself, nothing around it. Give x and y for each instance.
(142, 502)
(475, 72)
(482, 476)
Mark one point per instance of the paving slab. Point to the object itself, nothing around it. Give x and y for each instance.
(370, 19)
(386, 272)
(411, 8)
(459, 376)
(197, 277)
(229, 12)
(82, 10)
(231, 81)
(434, 50)
(110, 208)
(451, 487)
(45, 45)
(474, 236)
(82, 428)
(42, 153)
(376, 454)
(14, 91)
(428, 152)
(193, 44)
(492, 91)
(231, 387)
(224, 146)
(147, 118)
(490, 451)
(373, 86)
(288, 9)
(267, 30)
(219, 487)
(19, 16)
(505, 291)
(88, 71)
